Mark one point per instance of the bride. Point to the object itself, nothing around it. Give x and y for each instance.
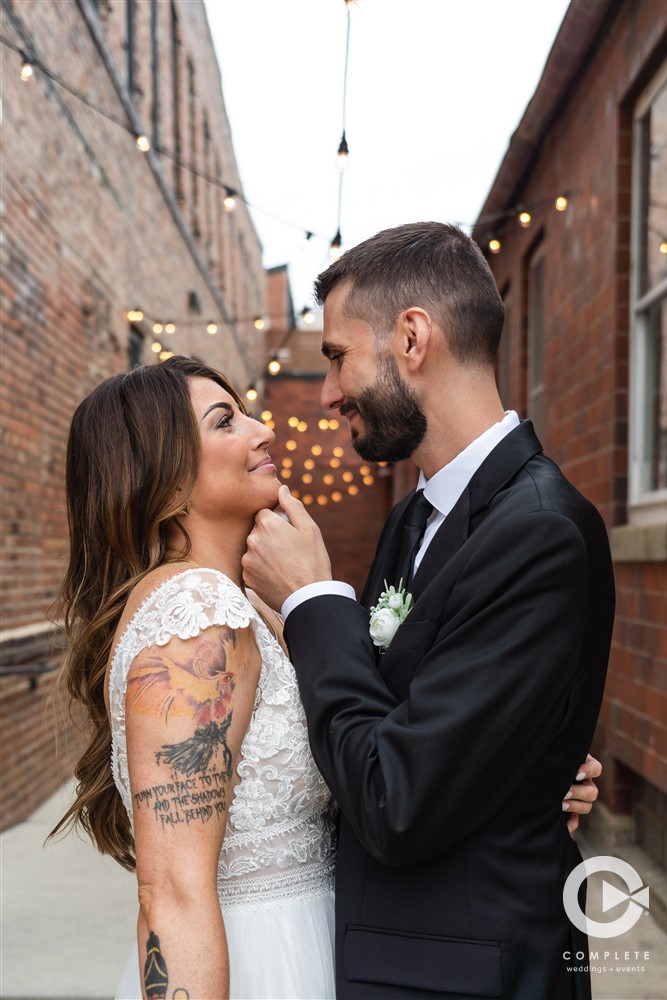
(212, 793)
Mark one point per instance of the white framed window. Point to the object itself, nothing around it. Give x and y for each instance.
(648, 284)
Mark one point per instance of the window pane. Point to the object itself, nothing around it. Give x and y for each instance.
(655, 467)
(653, 144)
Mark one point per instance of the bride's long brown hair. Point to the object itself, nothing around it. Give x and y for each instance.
(132, 462)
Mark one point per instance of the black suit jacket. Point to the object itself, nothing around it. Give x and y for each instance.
(449, 755)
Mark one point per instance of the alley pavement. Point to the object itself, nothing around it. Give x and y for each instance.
(68, 921)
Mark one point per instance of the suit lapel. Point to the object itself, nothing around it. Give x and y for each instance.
(386, 556)
(498, 469)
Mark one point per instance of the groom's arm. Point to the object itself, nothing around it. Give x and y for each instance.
(413, 777)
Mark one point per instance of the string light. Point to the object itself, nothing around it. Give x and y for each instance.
(170, 328)
(494, 245)
(274, 366)
(663, 246)
(293, 421)
(288, 463)
(157, 328)
(525, 219)
(31, 63)
(335, 247)
(267, 415)
(316, 449)
(251, 393)
(290, 445)
(259, 323)
(302, 426)
(156, 347)
(135, 316)
(211, 328)
(323, 424)
(343, 155)
(27, 68)
(308, 316)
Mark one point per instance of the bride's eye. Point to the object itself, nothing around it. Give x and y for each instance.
(224, 422)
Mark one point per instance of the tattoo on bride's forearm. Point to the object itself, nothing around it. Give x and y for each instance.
(156, 976)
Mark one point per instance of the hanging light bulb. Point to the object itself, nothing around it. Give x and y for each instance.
(525, 219)
(259, 323)
(274, 366)
(560, 203)
(251, 393)
(307, 315)
(143, 142)
(343, 158)
(335, 247)
(663, 246)
(135, 316)
(170, 328)
(211, 328)
(27, 68)
(494, 245)
(157, 327)
(156, 347)
(229, 201)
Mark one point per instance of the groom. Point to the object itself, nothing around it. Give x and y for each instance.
(448, 752)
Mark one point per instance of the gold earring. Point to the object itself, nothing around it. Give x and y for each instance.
(185, 509)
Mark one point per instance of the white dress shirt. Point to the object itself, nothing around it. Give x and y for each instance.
(443, 489)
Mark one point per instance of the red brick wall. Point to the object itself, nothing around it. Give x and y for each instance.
(587, 151)
(89, 233)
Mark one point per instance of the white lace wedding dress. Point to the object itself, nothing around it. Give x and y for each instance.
(276, 867)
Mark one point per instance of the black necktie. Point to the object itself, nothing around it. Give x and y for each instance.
(418, 512)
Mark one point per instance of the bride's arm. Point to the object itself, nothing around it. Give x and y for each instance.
(188, 706)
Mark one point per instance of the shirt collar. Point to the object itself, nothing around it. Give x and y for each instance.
(445, 487)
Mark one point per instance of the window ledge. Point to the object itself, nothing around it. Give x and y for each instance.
(639, 543)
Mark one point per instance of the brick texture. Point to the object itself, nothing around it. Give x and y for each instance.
(91, 229)
(587, 152)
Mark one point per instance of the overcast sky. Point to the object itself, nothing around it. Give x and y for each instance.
(435, 89)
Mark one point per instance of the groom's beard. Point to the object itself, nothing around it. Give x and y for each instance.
(394, 422)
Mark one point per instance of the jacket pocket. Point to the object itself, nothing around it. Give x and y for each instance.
(426, 962)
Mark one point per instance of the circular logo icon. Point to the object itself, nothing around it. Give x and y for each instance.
(636, 897)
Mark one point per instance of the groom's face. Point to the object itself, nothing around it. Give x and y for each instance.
(363, 382)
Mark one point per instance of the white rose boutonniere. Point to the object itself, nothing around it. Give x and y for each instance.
(391, 610)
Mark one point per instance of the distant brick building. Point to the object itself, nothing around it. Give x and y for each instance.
(94, 229)
(584, 352)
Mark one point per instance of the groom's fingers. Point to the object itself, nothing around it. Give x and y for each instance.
(297, 514)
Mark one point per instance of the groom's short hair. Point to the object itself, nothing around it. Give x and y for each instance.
(432, 265)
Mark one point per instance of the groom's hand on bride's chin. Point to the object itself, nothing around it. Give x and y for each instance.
(284, 555)
(583, 792)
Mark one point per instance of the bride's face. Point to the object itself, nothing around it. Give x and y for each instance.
(236, 475)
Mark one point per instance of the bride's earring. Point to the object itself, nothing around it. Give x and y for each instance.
(185, 509)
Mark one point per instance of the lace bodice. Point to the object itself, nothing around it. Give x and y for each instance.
(279, 841)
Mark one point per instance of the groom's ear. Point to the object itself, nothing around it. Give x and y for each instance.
(415, 328)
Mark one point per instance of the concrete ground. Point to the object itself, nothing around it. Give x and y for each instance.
(68, 921)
